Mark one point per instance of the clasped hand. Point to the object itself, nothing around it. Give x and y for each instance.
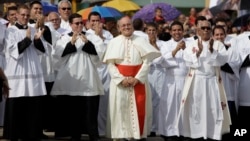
(78, 35)
(129, 82)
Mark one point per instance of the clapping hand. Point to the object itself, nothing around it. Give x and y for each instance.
(83, 37)
(28, 33)
(200, 46)
(40, 22)
(74, 38)
(39, 33)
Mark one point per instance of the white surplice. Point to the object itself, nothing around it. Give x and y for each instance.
(23, 70)
(176, 71)
(77, 72)
(122, 106)
(201, 110)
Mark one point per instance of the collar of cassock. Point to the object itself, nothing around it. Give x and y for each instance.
(71, 33)
(19, 26)
(31, 21)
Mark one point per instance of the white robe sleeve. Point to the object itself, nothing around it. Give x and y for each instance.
(219, 56)
(116, 76)
(142, 74)
(11, 43)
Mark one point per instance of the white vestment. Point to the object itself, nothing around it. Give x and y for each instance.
(242, 45)
(201, 110)
(77, 72)
(122, 113)
(24, 70)
(156, 78)
(176, 71)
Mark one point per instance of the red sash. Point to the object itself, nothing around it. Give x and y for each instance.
(140, 92)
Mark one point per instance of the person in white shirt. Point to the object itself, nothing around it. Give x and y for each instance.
(204, 113)
(156, 76)
(65, 10)
(96, 29)
(242, 45)
(77, 85)
(176, 71)
(138, 25)
(24, 72)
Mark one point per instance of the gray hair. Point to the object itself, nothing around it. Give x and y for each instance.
(63, 1)
(53, 13)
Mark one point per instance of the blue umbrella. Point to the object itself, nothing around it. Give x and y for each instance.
(106, 12)
(48, 7)
(147, 12)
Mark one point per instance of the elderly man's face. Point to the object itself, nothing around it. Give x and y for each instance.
(125, 26)
(205, 30)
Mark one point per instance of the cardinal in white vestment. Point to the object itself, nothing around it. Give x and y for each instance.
(128, 58)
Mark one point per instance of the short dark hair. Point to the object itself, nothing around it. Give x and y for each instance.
(219, 27)
(73, 16)
(151, 24)
(220, 20)
(94, 13)
(138, 24)
(35, 2)
(11, 8)
(199, 18)
(176, 23)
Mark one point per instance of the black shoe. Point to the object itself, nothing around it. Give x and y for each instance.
(94, 138)
(142, 139)
(152, 134)
(43, 136)
(75, 139)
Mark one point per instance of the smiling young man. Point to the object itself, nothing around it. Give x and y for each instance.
(24, 72)
(176, 71)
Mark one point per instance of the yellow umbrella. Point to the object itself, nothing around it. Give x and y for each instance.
(122, 5)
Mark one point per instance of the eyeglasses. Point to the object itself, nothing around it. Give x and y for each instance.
(64, 8)
(205, 27)
(54, 20)
(77, 23)
(24, 15)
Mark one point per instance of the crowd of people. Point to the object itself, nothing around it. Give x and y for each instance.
(182, 80)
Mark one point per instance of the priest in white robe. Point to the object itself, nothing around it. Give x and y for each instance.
(77, 85)
(24, 72)
(156, 76)
(96, 30)
(204, 111)
(176, 71)
(242, 45)
(128, 58)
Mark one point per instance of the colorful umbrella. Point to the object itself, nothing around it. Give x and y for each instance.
(48, 7)
(106, 12)
(147, 13)
(122, 5)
